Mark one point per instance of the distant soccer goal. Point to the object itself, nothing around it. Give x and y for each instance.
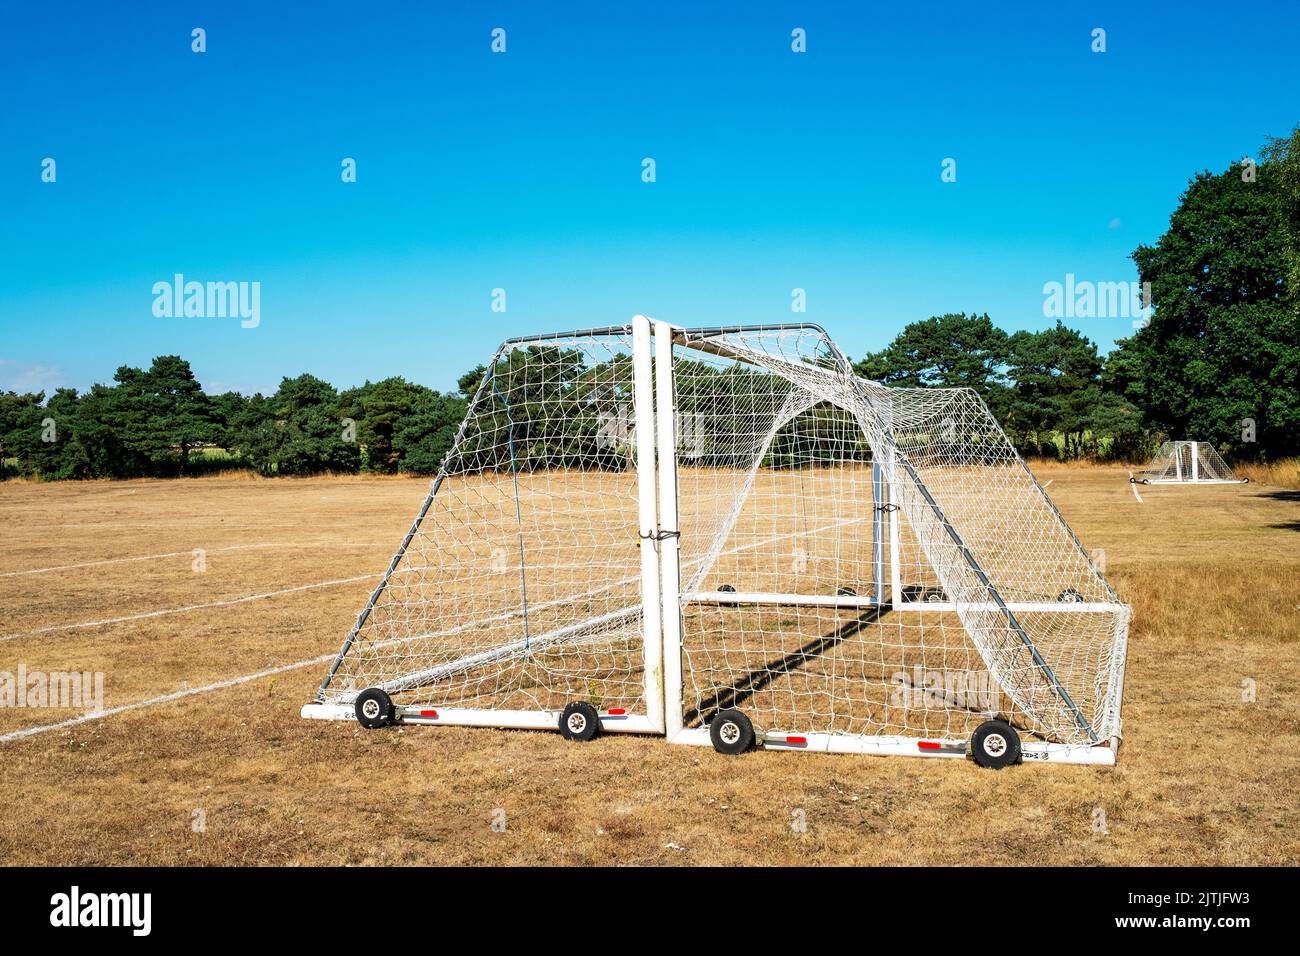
(725, 536)
(1187, 463)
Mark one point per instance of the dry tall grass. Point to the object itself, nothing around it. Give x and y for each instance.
(1284, 473)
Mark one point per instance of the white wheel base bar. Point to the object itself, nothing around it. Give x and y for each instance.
(852, 601)
(612, 721)
(1032, 752)
(1191, 481)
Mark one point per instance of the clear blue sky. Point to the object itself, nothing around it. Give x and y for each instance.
(523, 170)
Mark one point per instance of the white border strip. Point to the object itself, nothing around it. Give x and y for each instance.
(164, 699)
(180, 610)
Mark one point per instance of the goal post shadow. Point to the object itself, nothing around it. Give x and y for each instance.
(758, 678)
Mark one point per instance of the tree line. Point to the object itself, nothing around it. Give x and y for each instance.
(1218, 360)
(158, 422)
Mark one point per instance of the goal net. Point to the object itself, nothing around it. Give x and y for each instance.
(1186, 462)
(875, 562)
(669, 524)
(519, 586)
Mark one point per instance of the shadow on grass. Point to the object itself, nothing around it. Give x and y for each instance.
(1282, 495)
(745, 688)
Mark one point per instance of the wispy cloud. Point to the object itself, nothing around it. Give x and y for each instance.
(18, 376)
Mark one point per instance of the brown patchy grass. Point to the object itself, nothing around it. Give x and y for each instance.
(1213, 575)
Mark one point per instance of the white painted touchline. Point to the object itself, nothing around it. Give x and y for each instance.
(190, 553)
(165, 698)
(324, 584)
(180, 610)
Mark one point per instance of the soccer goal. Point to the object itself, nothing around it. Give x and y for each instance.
(725, 536)
(527, 587)
(1187, 463)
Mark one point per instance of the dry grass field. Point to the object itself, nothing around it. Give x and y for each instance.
(207, 761)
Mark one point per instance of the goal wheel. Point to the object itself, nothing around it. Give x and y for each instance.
(1070, 596)
(729, 589)
(995, 744)
(934, 596)
(374, 708)
(731, 732)
(579, 721)
(845, 592)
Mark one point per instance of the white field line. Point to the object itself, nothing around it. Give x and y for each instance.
(324, 584)
(181, 610)
(165, 698)
(190, 553)
(622, 582)
(234, 681)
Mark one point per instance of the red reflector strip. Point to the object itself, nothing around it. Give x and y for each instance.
(928, 745)
(428, 713)
(796, 740)
(617, 712)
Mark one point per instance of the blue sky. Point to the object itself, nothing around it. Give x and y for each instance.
(522, 170)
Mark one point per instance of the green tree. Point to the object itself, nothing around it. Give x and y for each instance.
(423, 438)
(954, 350)
(298, 431)
(15, 412)
(1058, 390)
(379, 410)
(162, 412)
(1223, 344)
(44, 439)
(1283, 158)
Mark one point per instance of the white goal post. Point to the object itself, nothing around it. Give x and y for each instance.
(725, 536)
(1187, 463)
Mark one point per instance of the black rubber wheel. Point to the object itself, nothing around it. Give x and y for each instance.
(729, 589)
(934, 596)
(731, 732)
(579, 721)
(374, 708)
(1070, 596)
(845, 592)
(995, 744)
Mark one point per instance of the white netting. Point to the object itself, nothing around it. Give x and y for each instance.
(776, 495)
(1178, 462)
(520, 585)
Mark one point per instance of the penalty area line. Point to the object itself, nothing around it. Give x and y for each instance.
(164, 699)
(181, 610)
(190, 553)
